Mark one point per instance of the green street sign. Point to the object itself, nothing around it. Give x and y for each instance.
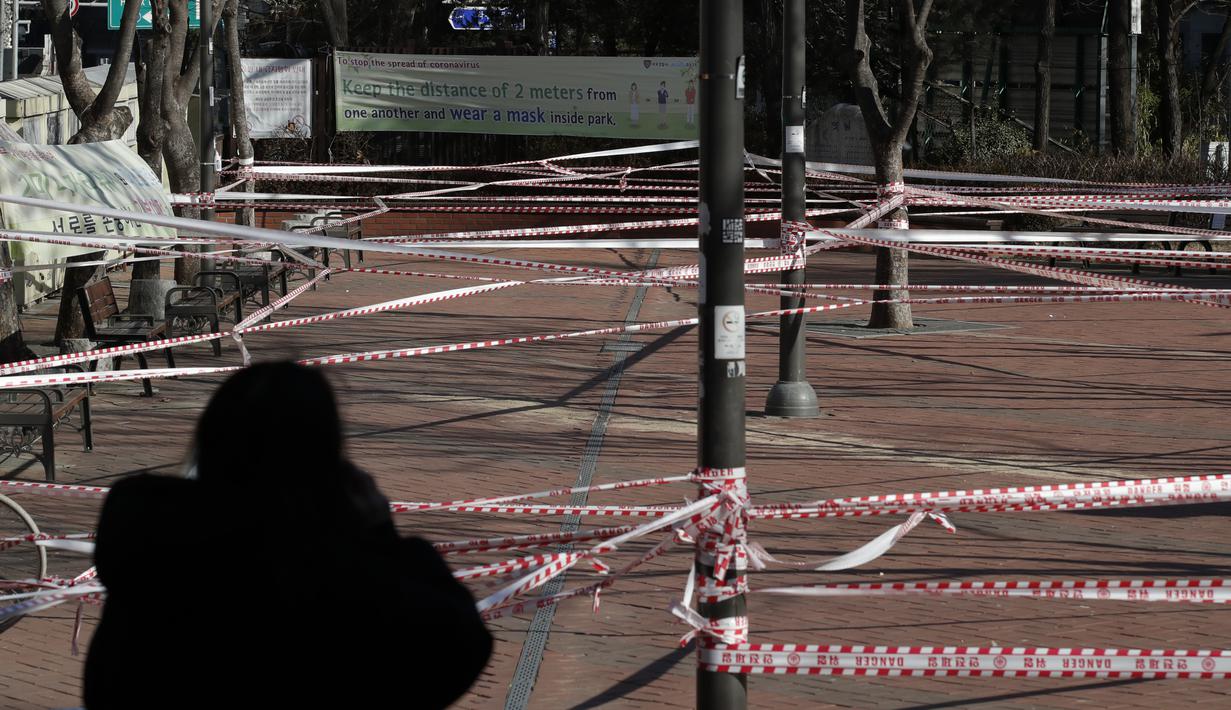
(115, 11)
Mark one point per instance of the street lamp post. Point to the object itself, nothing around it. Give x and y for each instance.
(792, 396)
(209, 174)
(720, 308)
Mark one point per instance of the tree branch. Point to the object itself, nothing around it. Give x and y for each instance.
(1210, 77)
(68, 49)
(239, 114)
(188, 80)
(119, 64)
(334, 12)
(1175, 19)
(177, 27)
(916, 57)
(921, 22)
(867, 90)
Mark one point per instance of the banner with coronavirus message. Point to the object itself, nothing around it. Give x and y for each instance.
(601, 97)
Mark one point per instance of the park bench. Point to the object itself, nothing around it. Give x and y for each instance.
(206, 300)
(106, 325)
(304, 223)
(328, 224)
(337, 227)
(255, 278)
(31, 416)
(1172, 242)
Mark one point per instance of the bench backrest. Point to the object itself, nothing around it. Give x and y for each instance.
(338, 226)
(97, 303)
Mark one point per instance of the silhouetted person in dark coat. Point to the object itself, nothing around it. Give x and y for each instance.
(276, 578)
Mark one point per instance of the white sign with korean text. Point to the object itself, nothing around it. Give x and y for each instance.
(278, 97)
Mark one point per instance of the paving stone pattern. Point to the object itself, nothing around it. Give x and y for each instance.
(1064, 393)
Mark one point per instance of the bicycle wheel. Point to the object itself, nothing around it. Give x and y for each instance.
(19, 562)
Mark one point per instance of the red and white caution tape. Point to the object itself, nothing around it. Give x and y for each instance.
(42, 600)
(618, 485)
(54, 488)
(1065, 496)
(864, 554)
(611, 511)
(11, 542)
(522, 542)
(808, 659)
(1001, 204)
(1210, 591)
(680, 533)
(562, 562)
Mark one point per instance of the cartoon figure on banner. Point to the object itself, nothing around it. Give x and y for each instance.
(690, 98)
(663, 95)
(634, 108)
(296, 127)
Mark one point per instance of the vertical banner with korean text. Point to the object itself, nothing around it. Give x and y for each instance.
(600, 97)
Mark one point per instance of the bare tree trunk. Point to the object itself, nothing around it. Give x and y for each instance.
(12, 345)
(239, 114)
(334, 13)
(1213, 71)
(537, 22)
(1042, 76)
(178, 148)
(1119, 80)
(151, 129)
(150, 75)
(69, 323)
(99, 117)
(1168, 19)
(611, 29)
(892, 265)
(887, 133)
(100, 120)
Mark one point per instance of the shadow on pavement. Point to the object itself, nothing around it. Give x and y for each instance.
(641, 678)
(994, 699)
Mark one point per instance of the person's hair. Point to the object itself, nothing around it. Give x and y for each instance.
(268, 426)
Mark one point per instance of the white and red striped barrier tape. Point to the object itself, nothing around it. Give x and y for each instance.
(1205, 591)
(809, 659)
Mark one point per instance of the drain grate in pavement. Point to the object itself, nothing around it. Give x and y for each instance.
(923, 326)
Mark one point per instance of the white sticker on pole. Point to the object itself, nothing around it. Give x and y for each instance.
(794, 139)
(729, 332)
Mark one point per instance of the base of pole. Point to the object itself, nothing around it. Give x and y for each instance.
(792, 399)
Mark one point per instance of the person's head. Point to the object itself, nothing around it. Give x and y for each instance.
(662, 84)
(633, 87)
(691, 83)
(271, 426)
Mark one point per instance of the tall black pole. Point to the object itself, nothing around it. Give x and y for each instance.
(720, 408)
(792, 396)
(209, 175)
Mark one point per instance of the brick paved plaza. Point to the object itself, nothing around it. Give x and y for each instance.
(1061, 393)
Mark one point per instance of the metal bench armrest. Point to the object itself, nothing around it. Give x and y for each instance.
(187, 291)
(33, 390)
